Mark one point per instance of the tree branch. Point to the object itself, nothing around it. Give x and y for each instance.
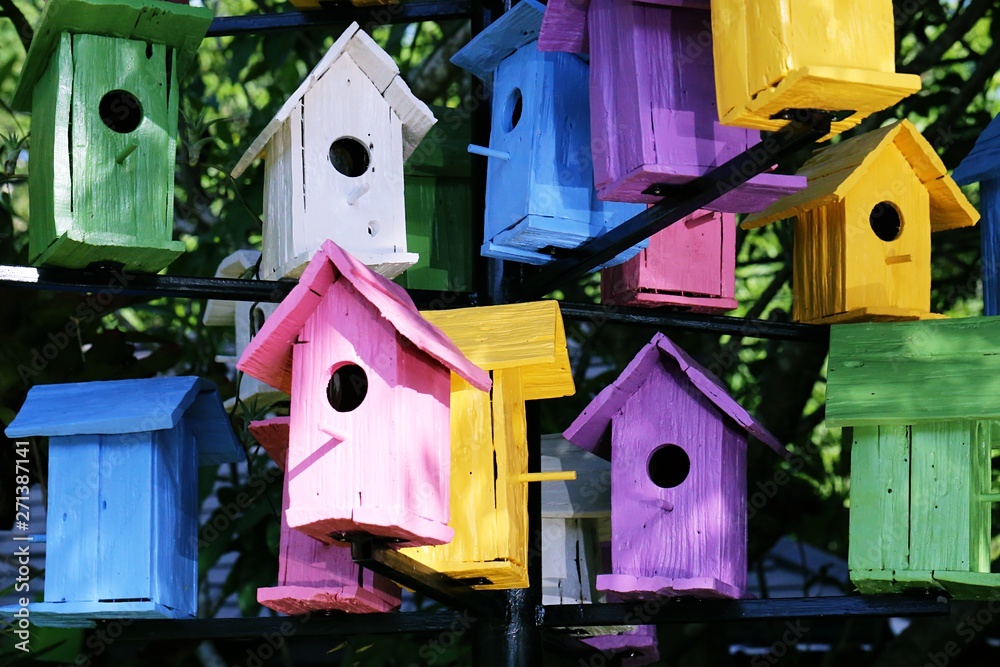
(24, 31)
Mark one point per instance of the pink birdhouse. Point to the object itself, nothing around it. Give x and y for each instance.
(652, 99)
(313, 576)
(677, 444)
(370, 381)
(691, 265)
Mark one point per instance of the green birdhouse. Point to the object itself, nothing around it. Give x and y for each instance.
(436, 190)
(100, 79)
(921, 398)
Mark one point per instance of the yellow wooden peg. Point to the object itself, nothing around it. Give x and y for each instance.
(559, 476)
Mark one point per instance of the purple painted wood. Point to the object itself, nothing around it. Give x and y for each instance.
(652, 98)
(640, 645)
(690, 264)
(313, 576)
(370, 381)
(678, 476)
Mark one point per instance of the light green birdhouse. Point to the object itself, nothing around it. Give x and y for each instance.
(100, 80)
(921, 398)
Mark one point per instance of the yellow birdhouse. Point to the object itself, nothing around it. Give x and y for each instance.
(524, 347)
(775, 55)
(863, 227)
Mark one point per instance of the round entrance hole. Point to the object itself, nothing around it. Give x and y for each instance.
(669, 466)
(886, 221)
(120, 110)
(347, 388)
(512, 110)
(350, 157)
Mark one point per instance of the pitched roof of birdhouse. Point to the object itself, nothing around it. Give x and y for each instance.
(834, 171)
(273, 435)
(588, 431)
(983, 161)
(380, 68)
(131, 406)
(517, 27)
(902, 373)
(529, 336)
(268, 357)
(219, 312)
(159, 22)
(564, 27)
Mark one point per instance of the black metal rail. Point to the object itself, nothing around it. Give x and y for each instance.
(656, 612)
(368, 17)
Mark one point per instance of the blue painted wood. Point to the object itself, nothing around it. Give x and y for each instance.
(71, 519)
(122, 507)
(982, 165)
(543, 196)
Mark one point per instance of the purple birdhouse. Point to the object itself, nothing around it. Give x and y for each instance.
(652, 99)
(677, 444)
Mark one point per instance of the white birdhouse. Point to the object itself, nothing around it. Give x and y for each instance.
(247, 318)
(333, 162)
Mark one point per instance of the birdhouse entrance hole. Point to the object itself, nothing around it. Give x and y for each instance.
(350, 157)
(347, 388)
(886, 221)
(120, 110)
(669, 466)
(512, 110)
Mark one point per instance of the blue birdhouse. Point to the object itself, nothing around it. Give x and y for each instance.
(540, 195)
(122, 516)
(982, 165)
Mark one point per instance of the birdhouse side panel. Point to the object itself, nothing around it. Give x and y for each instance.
(989, 230)
(71, 519)
(983, 444)
(175, 519)
(353, 167)
(50, 187)
(510, 440)
(439, 230)
(284, 199)
(941, 495)
(880, 498)
(125, 517)
(695, 256)
(122, 165)
(888, 238)
(730, 53)
(473, 493)
(856, 34)
(733, 525)
(570, 561)
(666, 516)
(818, 265)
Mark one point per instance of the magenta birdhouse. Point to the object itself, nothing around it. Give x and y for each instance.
(370, 381)
(690, 265)
(652, 99)
(313, 576)
(677, 444)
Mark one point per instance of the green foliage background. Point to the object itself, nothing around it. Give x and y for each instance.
(235, 88)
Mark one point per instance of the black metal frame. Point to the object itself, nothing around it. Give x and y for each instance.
(509, 624)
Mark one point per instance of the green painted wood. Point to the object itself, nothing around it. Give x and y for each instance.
(940, 496)
(876, 582)
(895, 489)
(969, 585)
(178, 26)
(437, 193)
(173, 104)
(913, 372)
(865, 544)
(980, 510)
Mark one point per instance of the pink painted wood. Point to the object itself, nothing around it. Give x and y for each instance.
(691, 265)
(652, 99)
(380, 465)
(687, 537)
(313, 576)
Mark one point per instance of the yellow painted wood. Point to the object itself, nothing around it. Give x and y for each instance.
(524, 345)
(529, 336)
(772, 55)
(562, 476)
(843, 272)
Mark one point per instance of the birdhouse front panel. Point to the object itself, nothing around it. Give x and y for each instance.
(111, 198)
(773, 55)
(370, 428)
(690, 264)
(888, 240)
(677, 480)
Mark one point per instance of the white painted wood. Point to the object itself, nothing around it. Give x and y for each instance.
(220, 313)
(416, 116)
(282, 195)
(589, 495)
(570, 561)
(373, 61)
